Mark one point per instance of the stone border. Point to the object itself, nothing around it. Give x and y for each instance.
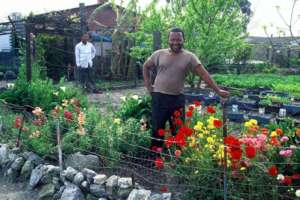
(70, 184)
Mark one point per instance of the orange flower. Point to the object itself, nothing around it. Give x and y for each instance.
(279, 131)
(264, 131)
(298, 132)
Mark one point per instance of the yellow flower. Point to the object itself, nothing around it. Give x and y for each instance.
(198, 126)
(117, 121)
(273, 134)
(243, 168)
(200, 135)
(210, 140)
(251, 123)
(193, 142)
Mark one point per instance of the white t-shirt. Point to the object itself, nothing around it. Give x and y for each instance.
(84, 54)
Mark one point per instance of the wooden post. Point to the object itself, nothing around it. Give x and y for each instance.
(223, 102)
(28, 51)
(83, 25)
(288, 57)
(58, 137)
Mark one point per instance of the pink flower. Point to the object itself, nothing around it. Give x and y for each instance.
(284, 139)
(286, 153)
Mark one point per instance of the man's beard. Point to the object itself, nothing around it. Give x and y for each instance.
(176, 49)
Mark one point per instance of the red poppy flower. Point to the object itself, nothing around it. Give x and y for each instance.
(189, 113)
(178, 122)
(273, 171)
(177, 153)
(161, 132)
(279, 131)
(18, 122)
(68, 115)
(197, 103)
(250, 152)
(159, 163)
(169, 141)
(236, 154)
(218, 123)
(231, 141)
(210, 109)
(287, 180)
(191, 108)
(180, 139)
(185, 131)
(177, 114)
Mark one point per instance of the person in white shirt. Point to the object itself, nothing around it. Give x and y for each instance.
(85, 53)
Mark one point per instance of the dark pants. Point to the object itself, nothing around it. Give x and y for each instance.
(86, 78)
(163, 108)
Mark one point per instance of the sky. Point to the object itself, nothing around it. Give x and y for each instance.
(264, 12)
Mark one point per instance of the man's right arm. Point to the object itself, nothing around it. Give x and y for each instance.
(149, 64)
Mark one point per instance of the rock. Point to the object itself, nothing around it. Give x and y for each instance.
(79, 161)
(97, 190)
(12, 157)
(17, 164)
(49, 172)
(84, 186)
(3, 154)
(69, 173)
(91, 197)
(112, 185)
(164, 196)
(125, 187)
(11, 174)
(56, 182)
(89, 174)
(72, 192)
(16, 150)
(27, 169)
(78, 178)
(36, 176)
(35, 159)
(100, 179)
(47, 191)
(139, 195)
(125, 182)
(167, 196)
(58, 194)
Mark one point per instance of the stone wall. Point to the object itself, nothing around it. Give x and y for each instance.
(76, 182)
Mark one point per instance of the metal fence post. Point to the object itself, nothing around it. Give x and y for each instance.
(59, 149)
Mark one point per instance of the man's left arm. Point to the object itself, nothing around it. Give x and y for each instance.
(203, 73)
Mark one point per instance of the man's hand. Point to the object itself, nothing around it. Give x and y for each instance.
(223, 93)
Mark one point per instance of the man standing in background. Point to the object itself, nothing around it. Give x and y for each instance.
(85, 53)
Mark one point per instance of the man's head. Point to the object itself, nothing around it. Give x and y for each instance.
(176, 40)
(85, 38)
